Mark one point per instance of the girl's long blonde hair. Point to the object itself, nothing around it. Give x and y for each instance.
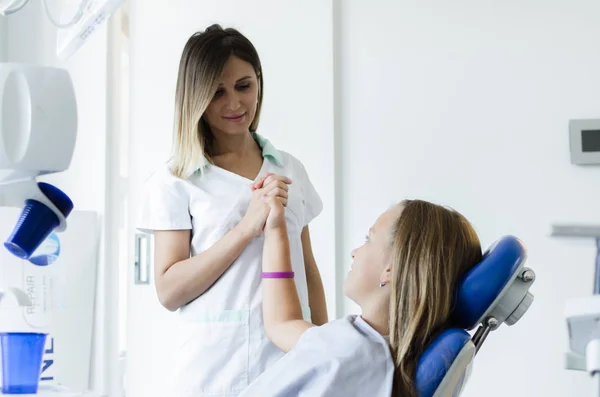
(432, 247)
(201, 65)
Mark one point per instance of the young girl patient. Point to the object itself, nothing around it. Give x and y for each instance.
(403, 278)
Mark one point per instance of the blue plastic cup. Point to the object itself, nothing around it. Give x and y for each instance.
(22, 354)
(37, 221)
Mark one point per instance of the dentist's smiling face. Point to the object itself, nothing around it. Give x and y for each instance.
(233, 107)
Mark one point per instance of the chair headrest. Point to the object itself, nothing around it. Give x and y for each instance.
(484, 285)
(496, 288)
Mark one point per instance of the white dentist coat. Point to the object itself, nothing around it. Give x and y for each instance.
(221, 338)
(343, 358)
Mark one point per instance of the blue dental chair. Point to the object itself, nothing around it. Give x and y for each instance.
(495, 291)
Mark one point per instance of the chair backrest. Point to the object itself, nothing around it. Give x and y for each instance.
(495, 291)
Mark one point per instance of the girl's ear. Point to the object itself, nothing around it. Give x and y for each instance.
(386, 275)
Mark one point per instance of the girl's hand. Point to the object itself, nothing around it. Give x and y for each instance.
(268, 186)
(276, 217)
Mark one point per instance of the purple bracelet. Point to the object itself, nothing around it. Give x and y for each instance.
(277, 274)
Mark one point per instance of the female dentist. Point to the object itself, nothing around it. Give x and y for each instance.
(207, 221)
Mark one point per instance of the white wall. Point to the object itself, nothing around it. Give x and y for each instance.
(467, 104)
(294, 42)
(3, 40)
(31, 39)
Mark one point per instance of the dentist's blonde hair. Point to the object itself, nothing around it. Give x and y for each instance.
(201, 65)
(432, 247)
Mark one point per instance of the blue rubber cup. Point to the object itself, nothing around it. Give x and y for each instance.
(37, 221)
(22, 354)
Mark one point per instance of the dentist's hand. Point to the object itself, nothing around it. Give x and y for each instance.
(255, 218)
(276, 185)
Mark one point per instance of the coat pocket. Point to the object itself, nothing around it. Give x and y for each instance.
(213, 353)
